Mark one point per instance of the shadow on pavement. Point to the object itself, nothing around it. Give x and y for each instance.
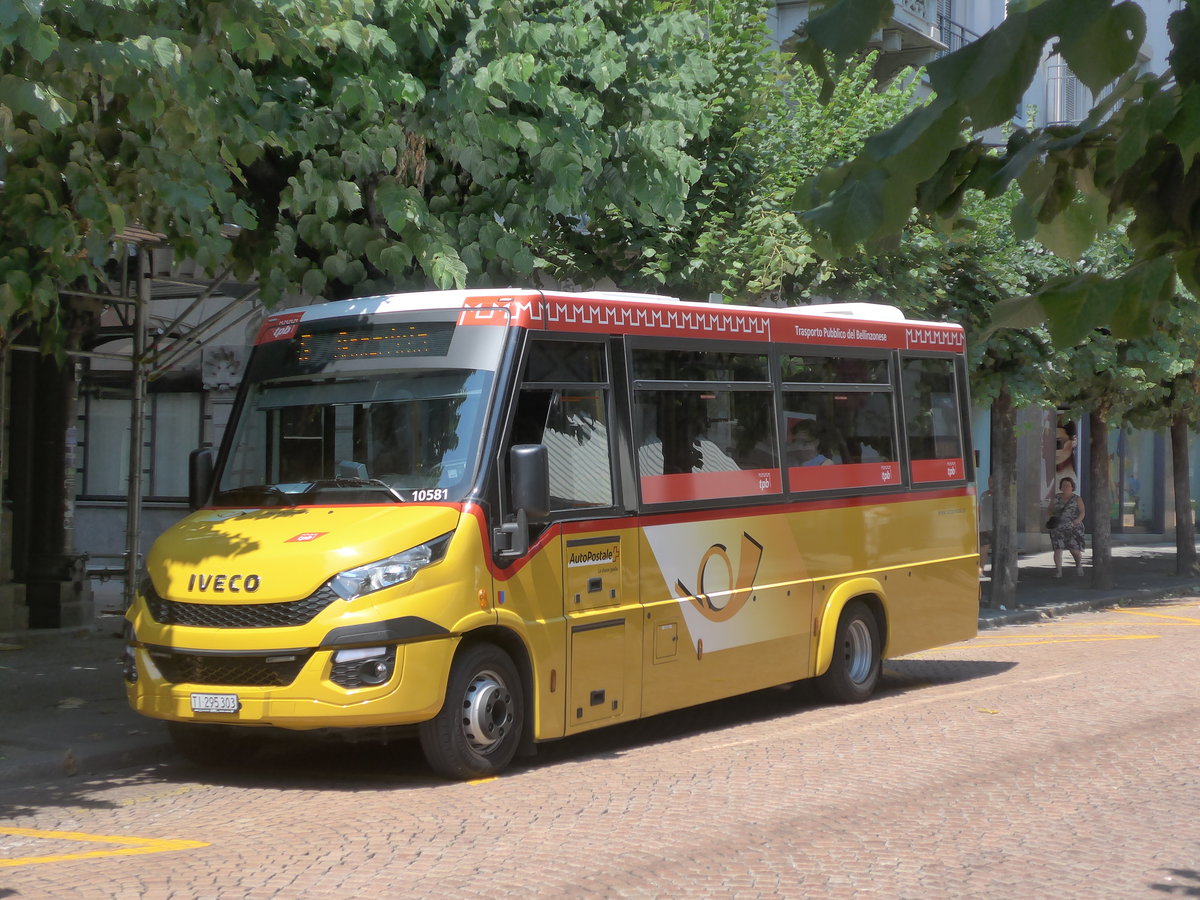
(1179, 883)
(903, 675)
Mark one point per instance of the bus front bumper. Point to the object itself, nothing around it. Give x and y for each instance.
(412, 694)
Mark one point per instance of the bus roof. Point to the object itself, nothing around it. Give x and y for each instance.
(612, 312)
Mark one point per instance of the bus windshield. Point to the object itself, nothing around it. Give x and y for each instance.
(378, 412)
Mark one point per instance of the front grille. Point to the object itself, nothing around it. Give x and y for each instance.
(249, 615)
(275, 670)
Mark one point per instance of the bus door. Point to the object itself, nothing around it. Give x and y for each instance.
(604, 626)
(565, 403)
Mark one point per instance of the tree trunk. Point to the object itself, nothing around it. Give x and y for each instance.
(1099, 501)
(1185, 522)
(1004, 501)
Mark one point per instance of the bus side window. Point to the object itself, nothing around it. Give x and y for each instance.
(704, 425)
(571, 419)
(843, 404)
(932, 419)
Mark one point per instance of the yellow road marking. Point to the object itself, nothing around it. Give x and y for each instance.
(1008, 637)
(483, 780)
(1089, 639)
(133, 845)
(1134, 612)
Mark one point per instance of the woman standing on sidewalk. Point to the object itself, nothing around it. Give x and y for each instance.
(1067, 534)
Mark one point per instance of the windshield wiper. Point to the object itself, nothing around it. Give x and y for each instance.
(256, 491)
(373, 483)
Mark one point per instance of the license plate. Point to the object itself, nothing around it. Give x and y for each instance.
(215, 703)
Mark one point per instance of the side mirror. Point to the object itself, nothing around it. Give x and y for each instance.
(529, 473)
(200, 477)
(530, 468)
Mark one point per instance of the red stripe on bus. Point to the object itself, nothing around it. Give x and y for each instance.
(926, 470)
(588, 526)
(850, 475)
(710, 485)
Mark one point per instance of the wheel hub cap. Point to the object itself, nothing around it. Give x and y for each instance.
(487, 711)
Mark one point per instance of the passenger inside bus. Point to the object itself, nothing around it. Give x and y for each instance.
(804, 446)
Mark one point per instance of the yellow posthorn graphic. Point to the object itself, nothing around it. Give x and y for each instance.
(743, 586)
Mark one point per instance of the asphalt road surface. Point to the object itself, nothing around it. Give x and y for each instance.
(1052, 760)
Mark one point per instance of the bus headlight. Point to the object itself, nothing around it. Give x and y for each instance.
(388, 572)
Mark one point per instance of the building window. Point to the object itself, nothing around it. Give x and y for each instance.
(170, 431)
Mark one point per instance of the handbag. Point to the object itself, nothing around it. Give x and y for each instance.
(1052, 523)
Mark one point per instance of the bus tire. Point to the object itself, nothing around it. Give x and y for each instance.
(210, 746)
(479, 727)
(854, 670)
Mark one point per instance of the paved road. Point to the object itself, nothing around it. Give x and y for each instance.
(1045, 760)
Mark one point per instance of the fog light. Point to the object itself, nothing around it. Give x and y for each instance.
(375, 671)
(363, 666)
(130, 669)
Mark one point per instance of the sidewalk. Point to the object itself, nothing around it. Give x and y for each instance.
(1140, 572)
(62, 701)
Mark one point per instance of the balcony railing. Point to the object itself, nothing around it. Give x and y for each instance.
(953, 35)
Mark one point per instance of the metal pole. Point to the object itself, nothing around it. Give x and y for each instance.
(75, 354)
(3, 431)
(161, 365)
(137, 414)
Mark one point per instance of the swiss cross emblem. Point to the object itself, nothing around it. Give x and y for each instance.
(306, 536)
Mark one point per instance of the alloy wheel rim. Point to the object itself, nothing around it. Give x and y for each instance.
(858, 651)
(487, 711)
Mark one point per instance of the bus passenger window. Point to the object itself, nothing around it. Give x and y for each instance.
(695, 445)
(932, 419)
(557, 407)
(845, 404)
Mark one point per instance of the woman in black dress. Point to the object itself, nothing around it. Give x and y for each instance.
(1067, 534)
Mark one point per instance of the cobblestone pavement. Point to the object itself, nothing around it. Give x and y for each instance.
(1044, 760)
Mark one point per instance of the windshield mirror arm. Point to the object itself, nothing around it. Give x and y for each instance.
(529, 471)
(200, 477)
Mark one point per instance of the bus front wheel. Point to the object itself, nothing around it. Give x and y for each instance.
(479, 727)
(854, 670)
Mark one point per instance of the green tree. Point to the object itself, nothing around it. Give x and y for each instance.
(758, 250)
(1171, 357)
(1137, 153)
(355, 145)
(339, 148)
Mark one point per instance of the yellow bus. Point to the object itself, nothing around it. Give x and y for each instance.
(501, 517)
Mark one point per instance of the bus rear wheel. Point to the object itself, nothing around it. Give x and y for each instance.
(479, 727)
(854, 670)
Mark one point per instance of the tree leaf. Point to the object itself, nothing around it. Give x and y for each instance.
(1100, 42)
(38, 100)
(844, 26)
(313, 283)
(448, 271)
(989, 75)
(348, 194)
(1072, 231)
